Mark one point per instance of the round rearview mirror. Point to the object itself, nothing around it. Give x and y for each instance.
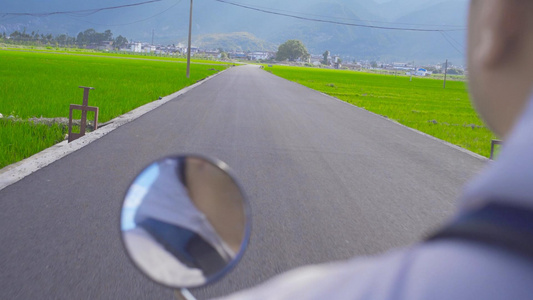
(185, 221)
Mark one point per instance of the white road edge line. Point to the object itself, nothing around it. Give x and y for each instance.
(475, 155)
(17, 171)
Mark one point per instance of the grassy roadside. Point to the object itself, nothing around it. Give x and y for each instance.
(19, 140)
(87, 52)
(421, 104)
(45, 84)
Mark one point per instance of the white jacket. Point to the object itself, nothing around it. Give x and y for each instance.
(158, 263)
(167, 200)
(440, 270)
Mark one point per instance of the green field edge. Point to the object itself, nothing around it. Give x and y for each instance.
(124, 56)
(395, 73)
(21, 138)
(488, 136)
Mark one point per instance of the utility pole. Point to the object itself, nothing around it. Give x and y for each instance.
(445, 73)
(152, 37)
(414, 71)
(189, 46)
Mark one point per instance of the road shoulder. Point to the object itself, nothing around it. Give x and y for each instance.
(17, 171)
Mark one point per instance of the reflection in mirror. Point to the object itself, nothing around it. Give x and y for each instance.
(184, 221)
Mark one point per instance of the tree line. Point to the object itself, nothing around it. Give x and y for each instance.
(83, 39)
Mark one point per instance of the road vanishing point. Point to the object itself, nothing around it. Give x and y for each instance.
(325, 180)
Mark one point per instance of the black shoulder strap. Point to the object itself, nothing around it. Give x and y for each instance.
(497, 225)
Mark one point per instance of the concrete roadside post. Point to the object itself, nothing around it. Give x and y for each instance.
(445, 73)
(84, 109)
(493, 147)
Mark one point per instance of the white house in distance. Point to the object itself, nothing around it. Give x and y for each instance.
(420, 72)
(136, 47)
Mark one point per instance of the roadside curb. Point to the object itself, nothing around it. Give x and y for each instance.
(17, 171)
(473, 154)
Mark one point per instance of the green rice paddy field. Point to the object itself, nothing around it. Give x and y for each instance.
(35, 84)
(45, 84)
(421, 104)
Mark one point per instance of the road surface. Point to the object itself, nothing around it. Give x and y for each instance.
(326, 181)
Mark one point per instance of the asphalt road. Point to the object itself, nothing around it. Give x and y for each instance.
(326, 181)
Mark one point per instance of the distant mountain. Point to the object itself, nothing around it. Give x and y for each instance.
(395, 9)
(446, 14)
(238, 41)
(216, 22)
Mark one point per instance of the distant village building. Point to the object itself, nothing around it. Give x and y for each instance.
(194, 50)
(260, 55)
(237, 55)
(419, 72)
(316, 59)
(337, 62)
(105, 45)
(136, 47)
(146, 48)
(353, 66)
(401, 66)
(211, 53)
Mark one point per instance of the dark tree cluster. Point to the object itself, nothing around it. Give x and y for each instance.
(292, 50)
(83, 39)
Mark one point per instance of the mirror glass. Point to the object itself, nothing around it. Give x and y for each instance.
(184, 221)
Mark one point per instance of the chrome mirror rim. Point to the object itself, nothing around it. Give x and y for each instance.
(247, 226)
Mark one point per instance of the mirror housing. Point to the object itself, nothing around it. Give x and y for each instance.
(185, 221)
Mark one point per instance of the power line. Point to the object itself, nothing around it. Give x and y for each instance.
(134, 22)
(270, 11)
(449, 39)
(456, 42)
(352, 19)
(449, 42)
(84, 11)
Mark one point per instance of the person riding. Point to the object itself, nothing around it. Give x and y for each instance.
(487, 250)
